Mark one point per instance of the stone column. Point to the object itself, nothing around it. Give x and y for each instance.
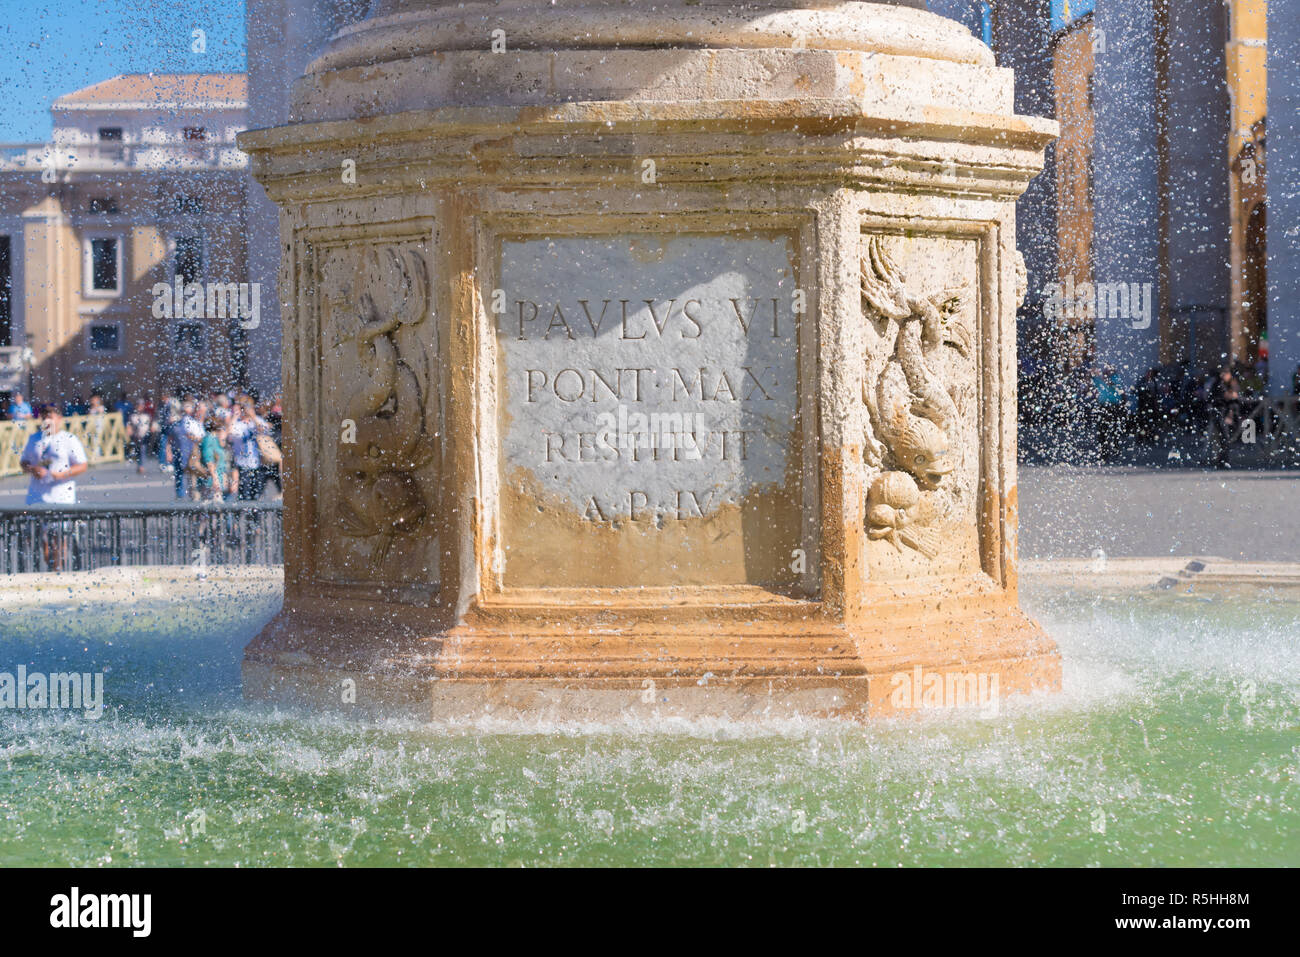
(1022, 36)
(1126, 159)
(655, 361)
(283, 36)
(1199, 190)
(1283, 178)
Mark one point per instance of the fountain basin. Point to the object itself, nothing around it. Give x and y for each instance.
(1173, 743)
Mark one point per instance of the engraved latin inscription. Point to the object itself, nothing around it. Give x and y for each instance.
(646, 381)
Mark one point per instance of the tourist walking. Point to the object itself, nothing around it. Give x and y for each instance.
(247, 456)
(169, 413)
(271, 463)
(53, 457)
(96, 422)
(139, 430)
(183, 444)
(1110, 410)
(1226, 400)
(213, 480)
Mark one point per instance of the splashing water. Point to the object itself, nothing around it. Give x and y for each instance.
(1175, 742)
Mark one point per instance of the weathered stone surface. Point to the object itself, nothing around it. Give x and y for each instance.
(650, 414)
(809, 211)
(379, 382)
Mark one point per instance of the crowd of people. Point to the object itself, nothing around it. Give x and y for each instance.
(221, 447)
(1171, 400)
(1177, 397)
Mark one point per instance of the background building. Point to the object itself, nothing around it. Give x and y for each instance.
(1157, 183)
(283, 37)
(1158, 178)
(142, 184)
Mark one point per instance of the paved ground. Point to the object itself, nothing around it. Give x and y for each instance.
(1065, 511)
(1128, 511)
(132, 584)
(116, 484)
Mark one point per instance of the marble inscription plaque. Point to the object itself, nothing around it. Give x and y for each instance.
(649, 409)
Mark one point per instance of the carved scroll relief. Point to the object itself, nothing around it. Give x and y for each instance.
(379, 415)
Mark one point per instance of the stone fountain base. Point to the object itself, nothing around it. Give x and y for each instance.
(658, 363)
(762, 670)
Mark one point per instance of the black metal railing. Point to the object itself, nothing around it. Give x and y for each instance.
(51, 538)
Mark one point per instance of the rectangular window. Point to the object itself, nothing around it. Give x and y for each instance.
(187, 205)
(103, 204)
(111, 138)
(105, 337)
(194, 134)
(104, 265)
(189, 335)
(188, 263)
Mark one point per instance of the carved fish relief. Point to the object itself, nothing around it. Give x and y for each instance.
(380, 497)
(913, 416)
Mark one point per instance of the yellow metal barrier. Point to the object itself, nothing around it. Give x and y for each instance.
(104, 437)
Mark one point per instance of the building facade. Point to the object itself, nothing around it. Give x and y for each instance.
(123, 250)
(1154, 245)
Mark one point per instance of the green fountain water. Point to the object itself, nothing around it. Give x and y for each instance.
(1175, 742)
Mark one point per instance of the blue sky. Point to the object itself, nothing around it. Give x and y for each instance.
(51, 47)
(1064, 12)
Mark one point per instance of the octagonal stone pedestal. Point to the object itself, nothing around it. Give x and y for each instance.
(652, 361)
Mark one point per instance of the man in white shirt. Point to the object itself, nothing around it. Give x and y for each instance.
(184, 434)
(221, 406)
(247, 457)
(53, 458)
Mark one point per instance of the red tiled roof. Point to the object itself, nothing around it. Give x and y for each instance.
(160, 89)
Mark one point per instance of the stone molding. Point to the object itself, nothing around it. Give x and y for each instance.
(676, 24)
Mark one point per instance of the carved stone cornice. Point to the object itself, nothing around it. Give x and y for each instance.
(909, 148)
